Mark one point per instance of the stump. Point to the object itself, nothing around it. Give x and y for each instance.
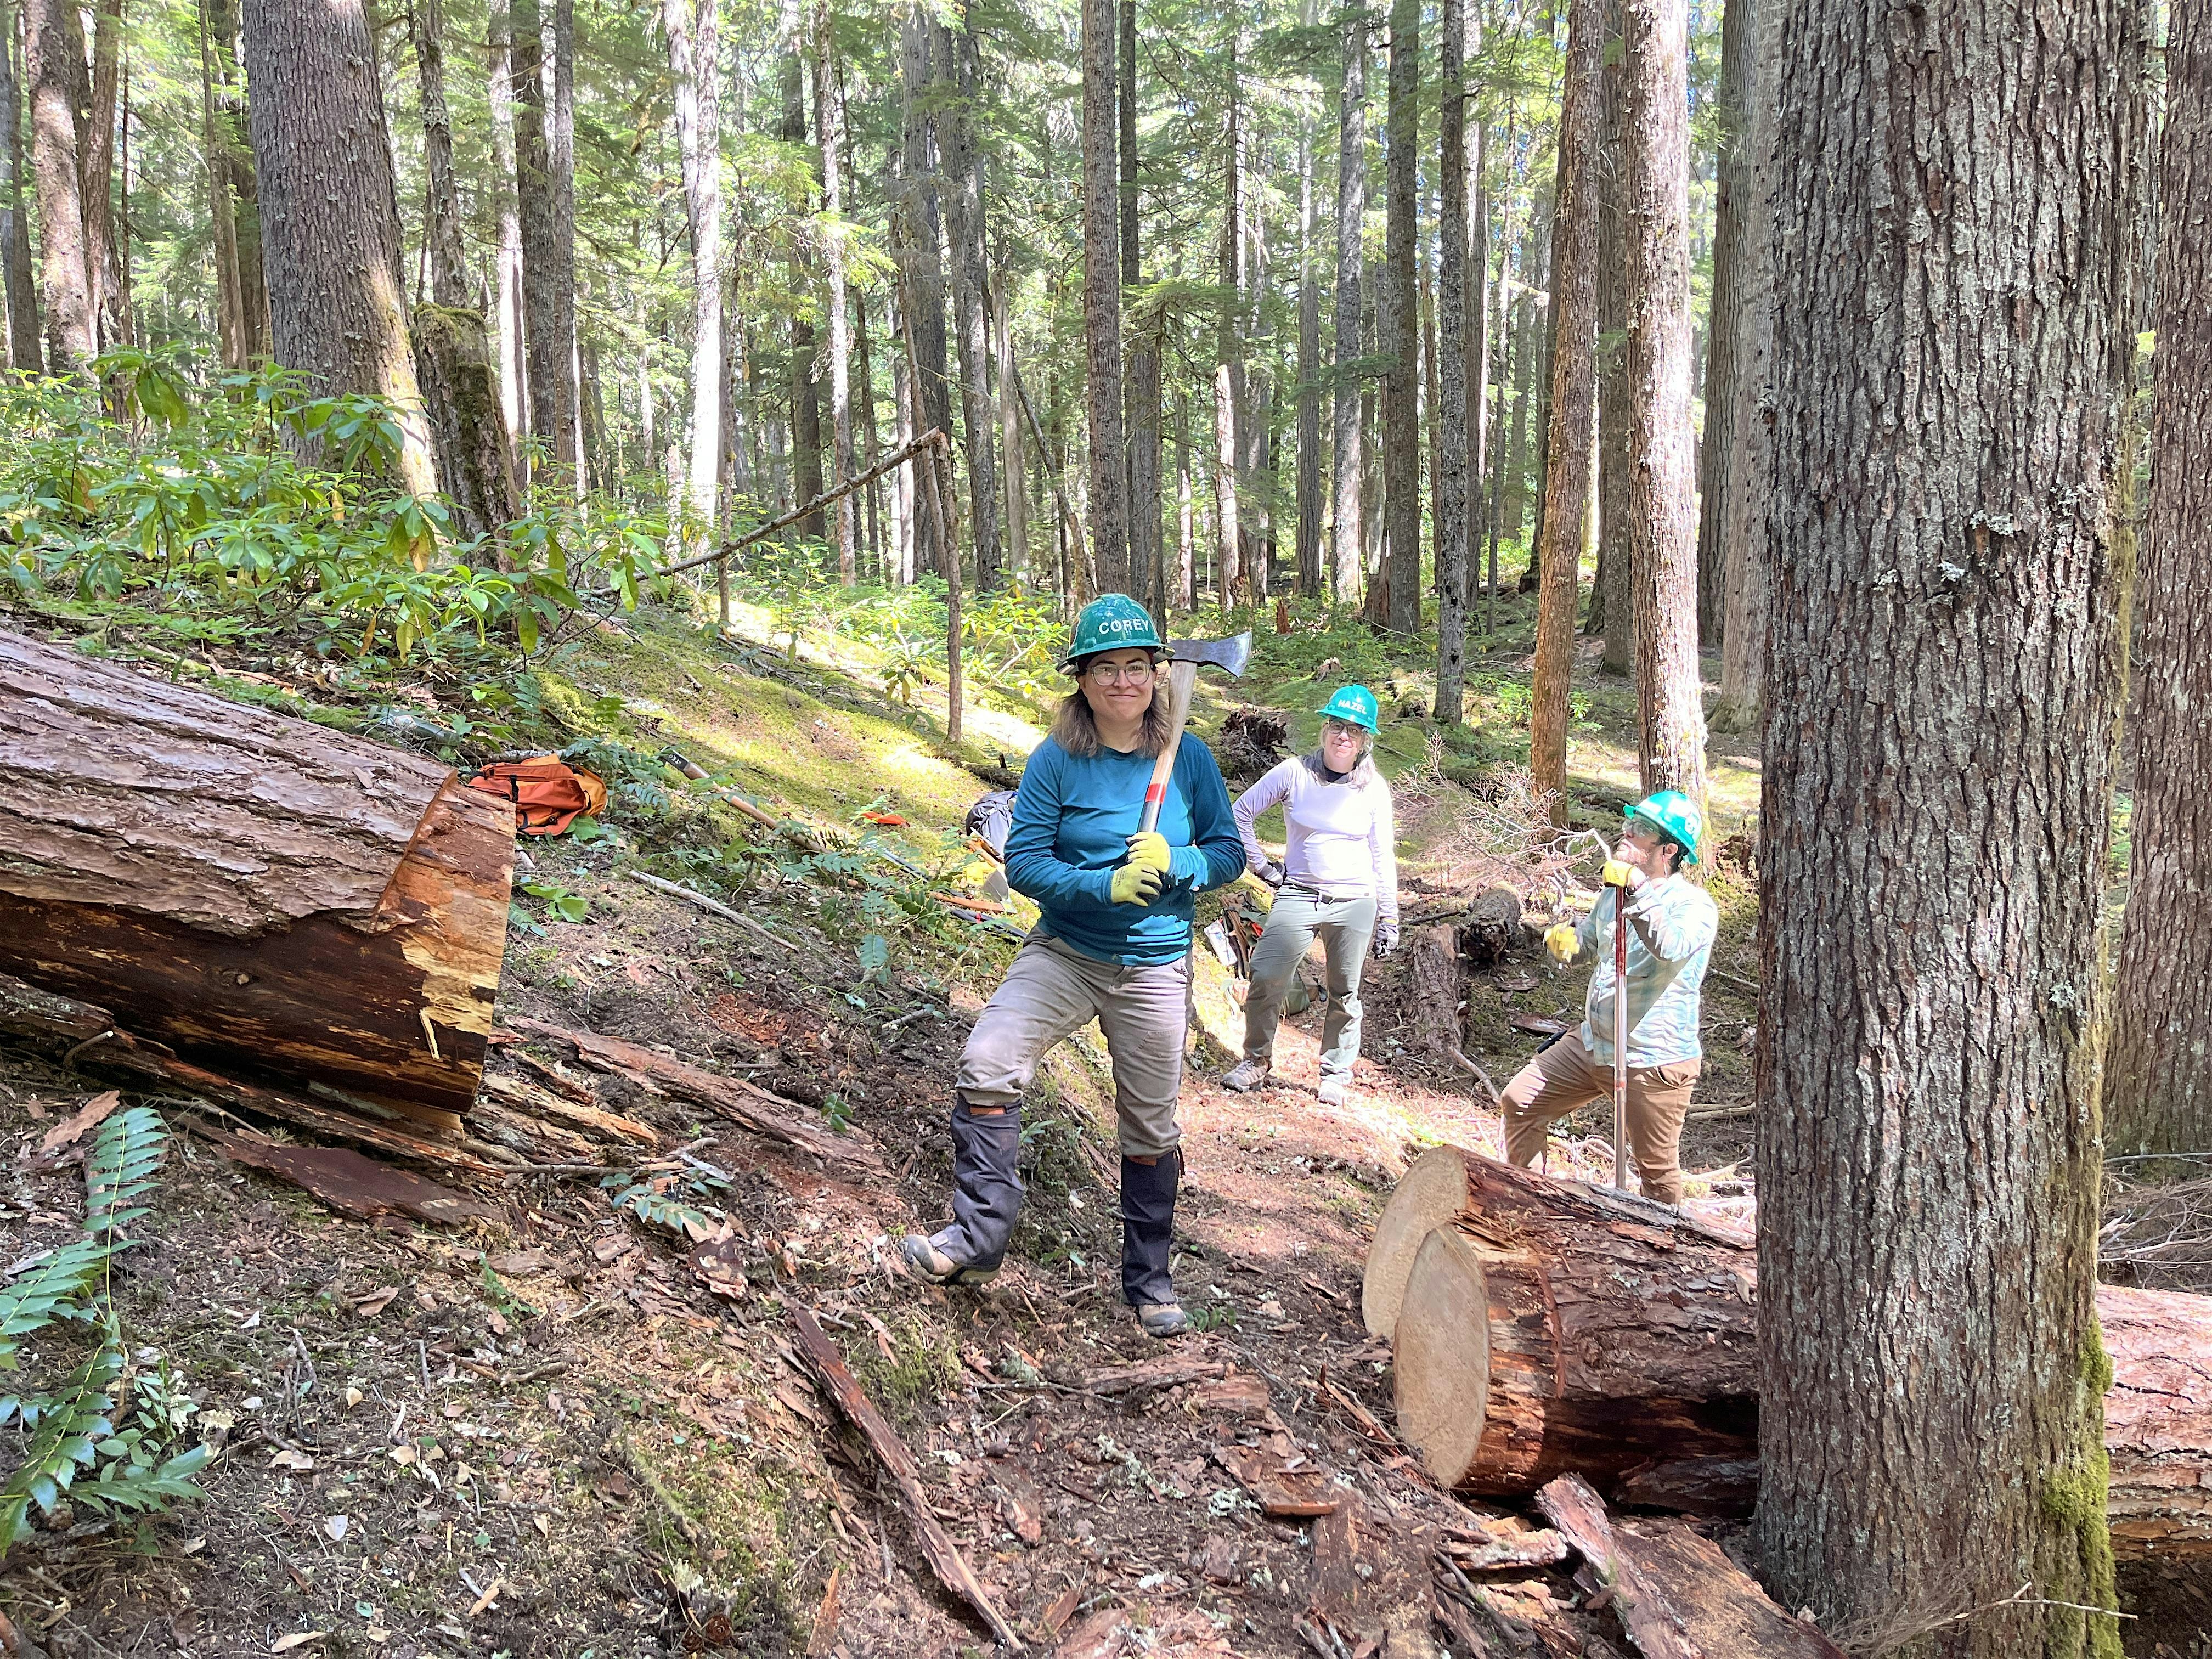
(266, 897)
(1492, 930)
(1541, 1326)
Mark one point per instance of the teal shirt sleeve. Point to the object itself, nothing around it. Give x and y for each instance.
(1216, 855)
(1034, 867)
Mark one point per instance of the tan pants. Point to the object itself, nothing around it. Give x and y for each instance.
(1565, 1077)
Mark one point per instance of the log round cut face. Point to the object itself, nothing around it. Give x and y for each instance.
(1443, 1355)
(1427, 1195)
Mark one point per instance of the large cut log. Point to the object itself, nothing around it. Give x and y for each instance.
(262, 895)
(1544, 1328)
(1541, 1326)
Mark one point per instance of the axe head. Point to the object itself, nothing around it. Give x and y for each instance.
(1229, 655)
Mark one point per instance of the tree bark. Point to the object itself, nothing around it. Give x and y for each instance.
(1010, 433)
(1346, 465)
(829, 123)
(1730, 251)
(54, 63)
(514, 399)
(1310, 582)
(543, 370)
(805, 398)
(229, 291)
(971, 296)
(1450, 415)
(233, 122)
(1744, 486)
(24, 351)
(1141, 390)
(1663, 524)
(1572, 403)
(103, 257)
(1402, 412)
(330, 218)
(568, 432)
(1102, 301)
(693, 49)
(1230, 585)
(918, 234)
(231, 876)
(2158, 1071)
(1611, 599)
(1943, 686)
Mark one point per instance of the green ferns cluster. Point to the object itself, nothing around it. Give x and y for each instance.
(79, 1444)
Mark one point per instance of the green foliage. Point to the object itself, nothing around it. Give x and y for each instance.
(654, 1200)
(79, 1446)
(202, 501)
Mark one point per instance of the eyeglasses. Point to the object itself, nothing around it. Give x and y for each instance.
(1336, 728)
(1107, 673)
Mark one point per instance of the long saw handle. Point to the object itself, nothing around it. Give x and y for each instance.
(1183, 680)
(1620, 1041)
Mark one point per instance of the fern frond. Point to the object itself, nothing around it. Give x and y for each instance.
(51, 1290)
(69, 1429)
(121, 1169)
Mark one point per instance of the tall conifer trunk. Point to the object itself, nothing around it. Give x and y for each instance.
(693, 51)
(1402, 412)
(965, 234)
(829, 127)
(1140, 392)
(1663, 523)
(1943, 684)
(1102, 299)
(54, 60)
(1346, 531)
(24, 351)
(1451, 413)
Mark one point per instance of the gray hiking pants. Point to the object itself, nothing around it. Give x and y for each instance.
(1052, 991)
(1344, 927)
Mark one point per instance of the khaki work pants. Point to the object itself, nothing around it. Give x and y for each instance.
(1565, 1077)
(1052, 990)
(1346, 926)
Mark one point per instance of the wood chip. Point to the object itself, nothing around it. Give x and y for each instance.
(1277, 1489)
(490, 1595)
(1018, 1500)
(825, 1638)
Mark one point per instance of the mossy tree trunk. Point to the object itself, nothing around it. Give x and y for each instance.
(1943, 679)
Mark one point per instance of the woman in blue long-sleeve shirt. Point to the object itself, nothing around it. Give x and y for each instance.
(1112, 944)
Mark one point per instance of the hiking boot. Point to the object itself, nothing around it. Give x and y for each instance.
(924, 1260)
(1163, 1319)
(1247, 1074)
(1334, 1091)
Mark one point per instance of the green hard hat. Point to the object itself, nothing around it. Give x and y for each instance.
(1353, 703)
(1674, 815)
(1112, 622)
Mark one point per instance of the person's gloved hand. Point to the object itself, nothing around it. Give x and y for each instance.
(1148, 848)
(1562, 941)
(1618, 874)
(1135, 884)
(1386, 940)
(1271, 873)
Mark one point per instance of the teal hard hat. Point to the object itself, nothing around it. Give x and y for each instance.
(1112, 622)
(1353, 703)
(1674, 815)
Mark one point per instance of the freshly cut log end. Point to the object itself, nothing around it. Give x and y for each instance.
(1429, 1193)
(1443, 1354)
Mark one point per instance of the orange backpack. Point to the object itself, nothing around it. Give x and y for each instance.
(549, 794)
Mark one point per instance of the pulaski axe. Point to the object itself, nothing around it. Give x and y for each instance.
(1186, 657)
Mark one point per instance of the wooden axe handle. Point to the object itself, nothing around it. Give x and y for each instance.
(1183, 680)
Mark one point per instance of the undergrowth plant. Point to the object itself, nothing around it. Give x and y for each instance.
(88, 1440)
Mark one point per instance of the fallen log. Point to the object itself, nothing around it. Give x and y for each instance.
(1677, 1595)
(269, 899)
(1545, 1327)
(944, 1555)
(87, 1038)
(743, 1103)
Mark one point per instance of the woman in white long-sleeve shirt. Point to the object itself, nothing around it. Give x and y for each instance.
(1337, 881)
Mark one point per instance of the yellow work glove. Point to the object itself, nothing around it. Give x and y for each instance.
(1136, 884)
(1616, 873)
(1149, 848)
(1562, 942)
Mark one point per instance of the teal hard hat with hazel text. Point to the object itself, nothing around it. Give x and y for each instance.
(1674, 815)
(1355, 705)
(1112, 622)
